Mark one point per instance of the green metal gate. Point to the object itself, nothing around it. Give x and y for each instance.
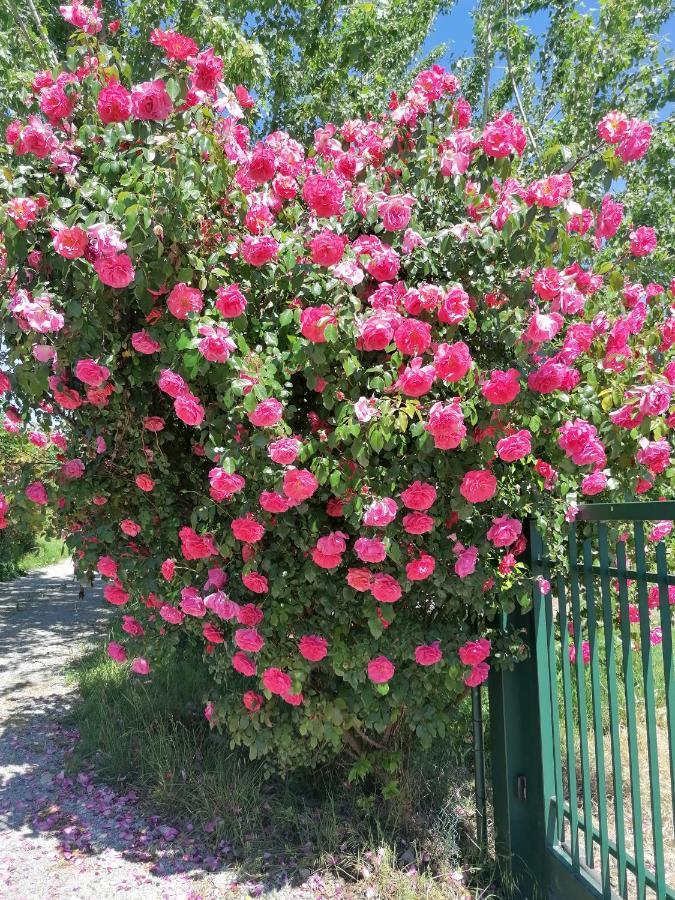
(583, 733)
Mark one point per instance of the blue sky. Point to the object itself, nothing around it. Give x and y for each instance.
(455, 27)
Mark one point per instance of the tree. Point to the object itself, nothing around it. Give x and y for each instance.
(306, 61)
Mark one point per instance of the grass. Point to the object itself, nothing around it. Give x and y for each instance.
(45, 552)
(150, 734)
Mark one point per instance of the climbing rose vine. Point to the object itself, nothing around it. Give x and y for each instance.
(304, 399)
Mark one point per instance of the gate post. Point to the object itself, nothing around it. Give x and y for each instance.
(517, 778)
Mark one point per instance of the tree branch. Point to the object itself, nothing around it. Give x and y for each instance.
(516, 92)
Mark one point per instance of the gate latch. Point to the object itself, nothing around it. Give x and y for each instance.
(521, 788)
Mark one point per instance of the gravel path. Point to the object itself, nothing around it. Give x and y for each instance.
(65, 835)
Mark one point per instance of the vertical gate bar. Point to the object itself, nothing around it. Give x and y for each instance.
(581, 698)
(542, 639)
(569, 722)
(596, 706)
(555, 701)
(610, 666)
(667, 649)
(479, 768)
(631, 721)
(650, 710)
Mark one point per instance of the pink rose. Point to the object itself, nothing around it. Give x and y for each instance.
(117, 652)
(446, 425)
(70, 242)
(107, 566)
(150, 101)
(244, 665)
(299, 484)
(140, 666)
(73, 468)
(183, 300)
(478, 485)
(257, 251)
(504, 531)
(273, 502)
(419, 495)
(477, 675)
(643, 241)
(276, 681)
(327, 248)
(252, 701)
(312, 647)
(314, 320)
(474, 652)
(91, 373)
(115, 594)
(420, 569)
(503, 136)
(142, 342)
(266, 414)
(416, 379)
(247, 529)
(515, 446)
(171, 614)
(465, 564)
(413, 337)
(502, 387)
(37, 493)
(284, 450)
(428, 654)
(333, 543)
(114, 103)
(385, 588)
(455, 306)
(115, 271)
(255, 582)
(655, 455)
(132, 626)
(452, 361)
(418, 523)
(195, 546)
(593, 484)
(249, 639)
(189, 409)
(167, 569)
(609, 218)
(370, 550)
(130, 528)
(395, 212)
(380, 670)
(224, 485)
(171, 383)
(230, 302)
(192, 604)
(324, 194)
(359, 579)
(380, 513)
(634, 140)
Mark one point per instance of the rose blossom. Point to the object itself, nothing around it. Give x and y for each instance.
(276, 681)
(247, 529)
(419, 495)
(478, 485)
(428, 654)
(312, 647)
(150, 101)
(183, 300)
(266, 414)
(380, 670)
(380, 513)
(474, 652)
(515, 446)
(115, 271)
(385, 588)
(420, 569)
(504, 531)
(370, 550)
(299, 484)
(284, 450)
(188, 408)
(70, 242)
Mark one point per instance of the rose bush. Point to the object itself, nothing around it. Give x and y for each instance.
(309, 395)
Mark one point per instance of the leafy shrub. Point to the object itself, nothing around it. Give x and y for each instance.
(309, 396)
